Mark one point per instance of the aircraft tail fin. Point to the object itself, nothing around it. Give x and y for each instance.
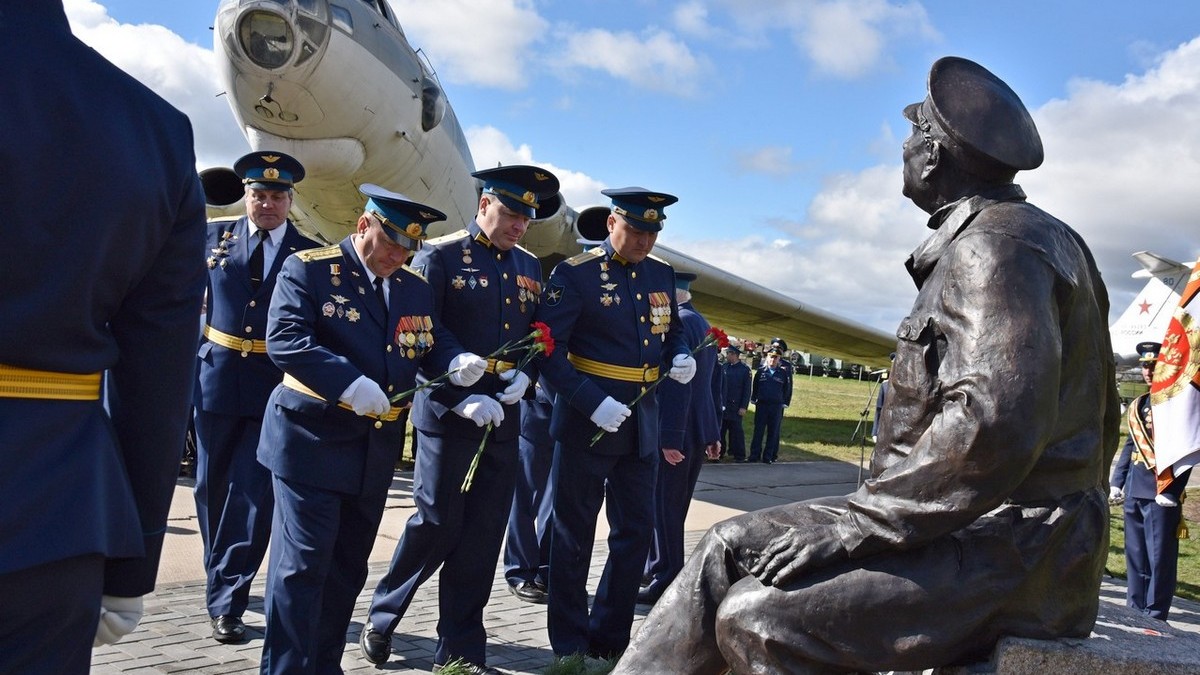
(1146, 318)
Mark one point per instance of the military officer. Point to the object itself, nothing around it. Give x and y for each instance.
(485, 288)
(736, 392)
(615, 322)
(689, 433)
(234, 378)
(770, 392)
(104, 223)
(1152, 518)
(348, 325)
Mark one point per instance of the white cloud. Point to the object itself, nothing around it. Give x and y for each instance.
(491, 147)
(657, 61)
(774, 160)
(182, 73)
(484, 42)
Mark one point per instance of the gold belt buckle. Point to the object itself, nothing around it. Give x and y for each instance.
(646, 377)
(247, 346)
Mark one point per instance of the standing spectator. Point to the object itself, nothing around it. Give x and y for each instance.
(485, 290)
(737, 401)
(527, 547)
(234, 379)
(717, 393)
(1151, 518)
(615, 322)
(348, 325)
(104, 214)
(770, 393)
(688, 433)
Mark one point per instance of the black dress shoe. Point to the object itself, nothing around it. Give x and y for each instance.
(375, 646)
(649, 595)
(228, 629)
(529, 592)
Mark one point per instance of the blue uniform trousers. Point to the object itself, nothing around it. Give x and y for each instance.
(1151, 555)
(47, 608)
(583, 479)
(733, 437)
(527, 547)
(768, 417)
(672, 497)
(461, 532)
(319, 549)
(233, 507)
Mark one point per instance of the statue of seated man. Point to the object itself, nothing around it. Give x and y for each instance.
(985, 513)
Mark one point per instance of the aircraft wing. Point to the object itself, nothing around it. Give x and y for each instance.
(746, 309)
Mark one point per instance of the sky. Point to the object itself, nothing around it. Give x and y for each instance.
(777, 123)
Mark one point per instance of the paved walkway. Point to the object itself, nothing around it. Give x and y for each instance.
(174, 636)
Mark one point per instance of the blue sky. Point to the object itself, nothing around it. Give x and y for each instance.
(777, 123)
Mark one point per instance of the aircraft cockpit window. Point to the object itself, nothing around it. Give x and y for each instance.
(266, 38)
(433, 103)
(310, 6)
(341, 18)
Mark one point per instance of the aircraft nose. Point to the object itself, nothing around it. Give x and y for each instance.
(274, 34)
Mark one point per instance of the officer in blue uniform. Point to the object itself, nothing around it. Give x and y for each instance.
(527, 544)
(615, 323)
(689, 433)
(234, 378)
(771, 392)
(104, 222)
(486, 288)
(348, 325)
(1152, 519)
(736, 394)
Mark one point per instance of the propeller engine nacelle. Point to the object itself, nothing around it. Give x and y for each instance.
(223, 192)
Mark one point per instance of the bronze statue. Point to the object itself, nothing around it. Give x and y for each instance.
(985, 512)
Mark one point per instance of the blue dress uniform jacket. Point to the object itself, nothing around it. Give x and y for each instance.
(688, 421)
(484, 298)
(737, 388)
(101, 203)
(1151, 530)
(332, 468)
(615, 327)
(234, 378)
(228, 381)
(601, 309)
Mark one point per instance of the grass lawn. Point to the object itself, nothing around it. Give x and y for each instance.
(819, 424)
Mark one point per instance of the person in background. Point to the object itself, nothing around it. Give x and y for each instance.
(770, 392)
(736, 402)
(1152, 518)
(349, 325)
(233, 380)
(688, 433)
(105, 216)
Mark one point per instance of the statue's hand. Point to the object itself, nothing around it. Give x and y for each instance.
(792, 553)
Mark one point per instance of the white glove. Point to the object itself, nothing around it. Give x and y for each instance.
(481, 410)
(610, 413)
(1165, 500)
(466, 369)
(683, 367)
(1114, 493)
(365, 397)
(513, 392)
(118, 618)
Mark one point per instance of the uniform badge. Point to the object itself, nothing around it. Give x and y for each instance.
(604, 276)
(609, 287)
(458, 282)
(483, 281)
(339, 299)
(466, 258)
(328, 309)
(554, 295)
(606, 300)
(352, 314)
(224, 262)
(212, 262)
(472, 283)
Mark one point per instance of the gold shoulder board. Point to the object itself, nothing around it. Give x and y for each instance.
(323, 253)
(415, 273)
(591, 254)
(447, 237)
